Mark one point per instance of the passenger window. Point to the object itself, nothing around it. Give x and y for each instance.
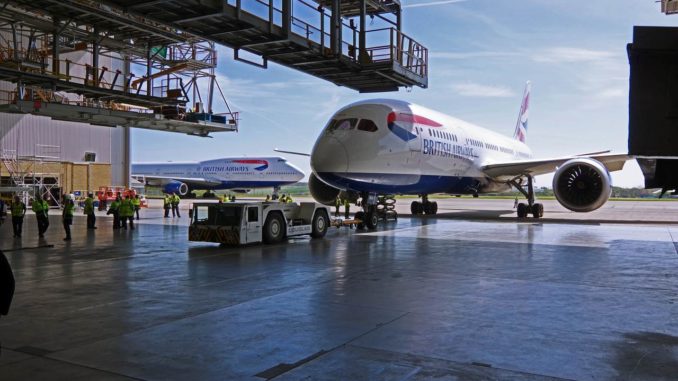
(367, 125)
(252, 214)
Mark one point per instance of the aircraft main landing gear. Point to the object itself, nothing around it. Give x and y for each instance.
(424, 207)
(536, 209)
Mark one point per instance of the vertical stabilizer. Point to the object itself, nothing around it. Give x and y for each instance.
(521, 125)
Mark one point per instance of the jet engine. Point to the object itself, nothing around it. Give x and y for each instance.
(176, 187)
(582, 185)
(322, 192)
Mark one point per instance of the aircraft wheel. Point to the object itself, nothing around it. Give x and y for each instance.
(434, 207)
(416, 207)
(371, 220)
(538, 210)
(522, 210)
(360, 216)
(274, 228)
(319, 224)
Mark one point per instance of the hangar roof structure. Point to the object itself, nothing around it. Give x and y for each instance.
(165, 47)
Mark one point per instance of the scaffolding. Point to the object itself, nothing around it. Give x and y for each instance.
(34, 174)
(86, 68)
(329, 39)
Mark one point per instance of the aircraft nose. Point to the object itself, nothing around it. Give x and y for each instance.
(329, 155)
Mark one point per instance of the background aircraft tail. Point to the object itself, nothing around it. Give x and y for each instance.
(521, 125)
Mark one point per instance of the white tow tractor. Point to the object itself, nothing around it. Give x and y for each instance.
(240, 223)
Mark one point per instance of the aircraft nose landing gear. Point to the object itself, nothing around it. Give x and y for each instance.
(424, 207)
(536, 209)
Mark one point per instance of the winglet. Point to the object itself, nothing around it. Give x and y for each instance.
(521, 125)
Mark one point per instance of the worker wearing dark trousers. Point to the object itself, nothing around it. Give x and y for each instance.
(67, 217)
(347, 206)
(167, 205)
(115, 211)
(18, 213)
(136, 202)
(127, 213)
(89, 212)
(41, 208)
(175, 205)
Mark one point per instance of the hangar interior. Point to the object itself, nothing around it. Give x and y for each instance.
(128, 64)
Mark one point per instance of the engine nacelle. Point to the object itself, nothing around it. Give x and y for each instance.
(322, 192)
(582, 184)
(176, 187)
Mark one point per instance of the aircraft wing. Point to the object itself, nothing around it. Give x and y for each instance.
(191, 181)
(613, 162)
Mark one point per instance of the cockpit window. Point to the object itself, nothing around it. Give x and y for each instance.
(367, 125)
(342, 124)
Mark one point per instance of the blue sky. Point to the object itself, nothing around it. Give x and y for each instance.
(481, 54)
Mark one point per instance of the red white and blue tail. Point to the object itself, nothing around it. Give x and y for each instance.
(521, 125)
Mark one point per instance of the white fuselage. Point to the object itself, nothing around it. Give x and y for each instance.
(225, 173)
(395, 147)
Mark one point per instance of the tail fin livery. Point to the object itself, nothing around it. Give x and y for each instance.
(521, 125)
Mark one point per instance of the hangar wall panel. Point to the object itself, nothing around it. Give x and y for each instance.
(29, 135)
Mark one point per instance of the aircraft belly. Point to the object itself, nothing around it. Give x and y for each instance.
(402, 183)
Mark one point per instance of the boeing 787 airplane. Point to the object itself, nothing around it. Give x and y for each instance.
(237, 173)
(383, 147)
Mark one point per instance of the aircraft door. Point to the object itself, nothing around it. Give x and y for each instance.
(252, 221)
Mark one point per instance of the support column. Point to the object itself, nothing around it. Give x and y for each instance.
(55, 47)
(95, 58)
(127, 156)
(362, 50)
(335, 28)
(287, 17)
(399, 20)
(149, 70)
(15, 41)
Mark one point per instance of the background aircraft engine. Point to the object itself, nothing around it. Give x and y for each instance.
(582, 185)
(322, 192)
(176, 187)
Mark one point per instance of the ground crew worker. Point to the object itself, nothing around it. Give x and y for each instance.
(232, 198)
(167, 204)
(67, 217)
(268, 198)
(282, 198)
(337, 204)
(18, 213)
(289, 199)
(41, 208)
(136, 202)
(347, 206)
(175, 205)
(127, 213)
(89, 212)
(115, 211)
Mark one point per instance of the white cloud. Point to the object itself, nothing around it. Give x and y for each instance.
(432, 3)
(470, 89)
(613, 92)
(568, 55)
(471, 55)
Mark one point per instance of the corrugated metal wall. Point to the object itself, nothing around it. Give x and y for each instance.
(25, 133)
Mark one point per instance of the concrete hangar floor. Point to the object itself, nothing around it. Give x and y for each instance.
(440, 298)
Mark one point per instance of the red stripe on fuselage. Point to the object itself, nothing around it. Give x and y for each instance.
(411, 118)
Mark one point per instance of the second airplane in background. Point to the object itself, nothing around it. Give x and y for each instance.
(235, 173)
(384, 147)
